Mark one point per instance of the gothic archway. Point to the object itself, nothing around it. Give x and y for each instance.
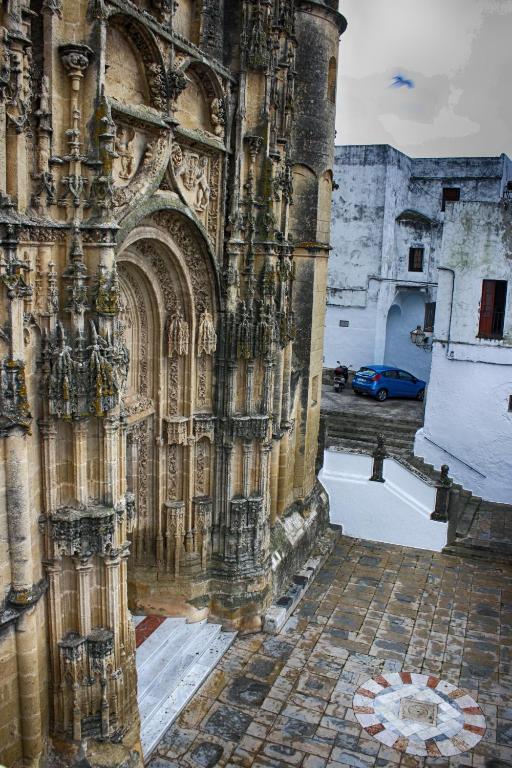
(169, 314)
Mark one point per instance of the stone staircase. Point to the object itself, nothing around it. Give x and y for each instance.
(354, 431)
(172, 663)
(475, 526)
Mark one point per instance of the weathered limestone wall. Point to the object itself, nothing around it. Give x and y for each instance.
(160, 337)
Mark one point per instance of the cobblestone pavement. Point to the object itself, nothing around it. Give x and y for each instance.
(374, 609)
(348, 402)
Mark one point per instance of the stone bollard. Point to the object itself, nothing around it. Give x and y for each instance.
(379, 455)
(443, 492)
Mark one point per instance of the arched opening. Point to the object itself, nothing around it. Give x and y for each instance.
(405, 314)
(125, 78)
(169, 305)
(194, 105)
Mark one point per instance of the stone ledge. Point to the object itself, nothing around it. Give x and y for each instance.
(280, 611)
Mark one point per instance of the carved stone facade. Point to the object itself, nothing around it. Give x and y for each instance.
(163, 261)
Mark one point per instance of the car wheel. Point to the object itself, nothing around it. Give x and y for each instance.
(382, 395)
(421, 395)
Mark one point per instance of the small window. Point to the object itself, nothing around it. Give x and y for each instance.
(510, 402)
(331, 80)
(430, 316)
(450, 195)
(492, 309)
(416, 259)
(344, 323)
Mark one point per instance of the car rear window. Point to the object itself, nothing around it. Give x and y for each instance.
(366, 371)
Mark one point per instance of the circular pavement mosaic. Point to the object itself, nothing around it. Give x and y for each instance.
(419, 714)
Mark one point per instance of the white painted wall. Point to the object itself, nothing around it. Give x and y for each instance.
(467, 422)
(372, 231)
(404, 315)
(396, 512)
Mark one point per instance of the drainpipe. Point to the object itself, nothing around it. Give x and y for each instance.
(449, 334)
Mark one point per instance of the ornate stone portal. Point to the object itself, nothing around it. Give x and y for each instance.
(162, 266)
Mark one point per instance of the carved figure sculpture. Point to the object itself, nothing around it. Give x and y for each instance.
(218, 117)
(124, 141)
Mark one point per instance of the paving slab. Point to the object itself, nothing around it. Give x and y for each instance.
(426, 635)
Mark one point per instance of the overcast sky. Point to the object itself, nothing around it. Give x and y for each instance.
(459, 55)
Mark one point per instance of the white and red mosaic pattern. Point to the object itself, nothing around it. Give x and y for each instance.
(419, 714)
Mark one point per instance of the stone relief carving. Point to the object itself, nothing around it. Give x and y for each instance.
(202, 382)
(138, 312)
(172, 385)
(84, 532)
(124, 149)
(218, 116)
(191, 170)
(88, 377)
(14, 407)
(138, 436)
(172, 471)
(213, 207)
(178, 335)
(195, 258)
(147, 171)
(206, 335)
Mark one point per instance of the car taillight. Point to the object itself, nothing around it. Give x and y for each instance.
(376, 377)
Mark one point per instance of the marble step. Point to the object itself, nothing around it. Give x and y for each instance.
(172, 663)
(167, 656)
(166, 667)
(169, 708)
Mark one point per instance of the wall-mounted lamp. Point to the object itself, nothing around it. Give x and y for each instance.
(420, 338)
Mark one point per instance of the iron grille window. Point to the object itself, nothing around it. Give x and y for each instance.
(450, 195)
(430, 316)
(416, 259)
(492, 309)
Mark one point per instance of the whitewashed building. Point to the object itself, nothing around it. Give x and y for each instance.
(387, 225)
(468, 418)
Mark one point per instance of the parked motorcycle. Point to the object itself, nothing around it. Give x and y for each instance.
(340, 377)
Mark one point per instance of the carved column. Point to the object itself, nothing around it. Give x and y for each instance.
(247, 452)
(112, 568)
(189, 456)
(80, 429)
(18, 514)
(27, 628)
(48, 432)
(274, 480)
(249, 387)
(53, 572)
(111, 459)
(83, 570)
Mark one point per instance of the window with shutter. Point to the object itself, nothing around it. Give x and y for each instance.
(492, 309)
(416, 259)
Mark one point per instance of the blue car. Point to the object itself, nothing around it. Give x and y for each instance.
(383, 381)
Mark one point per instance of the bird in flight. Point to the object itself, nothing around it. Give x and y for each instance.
(399, 81)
